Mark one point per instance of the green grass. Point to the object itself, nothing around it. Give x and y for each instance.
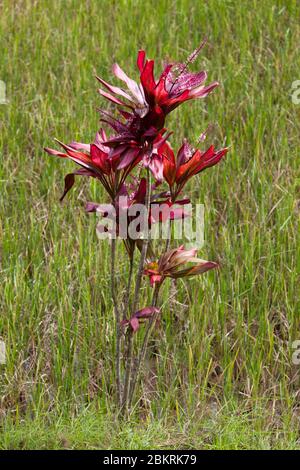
(228, 428)
(230, 350)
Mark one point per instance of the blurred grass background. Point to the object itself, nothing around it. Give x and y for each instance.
(221, 371)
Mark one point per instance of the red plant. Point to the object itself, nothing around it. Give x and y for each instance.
(123, 164)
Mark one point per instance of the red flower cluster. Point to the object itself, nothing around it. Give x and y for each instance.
(139, 134)
(139, 139)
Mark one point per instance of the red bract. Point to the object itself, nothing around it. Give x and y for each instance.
(170, 262)
(140, 315)
(175, 84)
(151, 100)
(147, 104)
(188, 162)
(97, 161)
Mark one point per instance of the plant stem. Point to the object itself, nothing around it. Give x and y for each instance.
(144, 247)
(117, 317)
(168, 240)
(127, 292)
(151, 323)
(136, 297)
(144, 345)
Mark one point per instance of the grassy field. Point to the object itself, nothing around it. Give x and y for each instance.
(221, 374)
